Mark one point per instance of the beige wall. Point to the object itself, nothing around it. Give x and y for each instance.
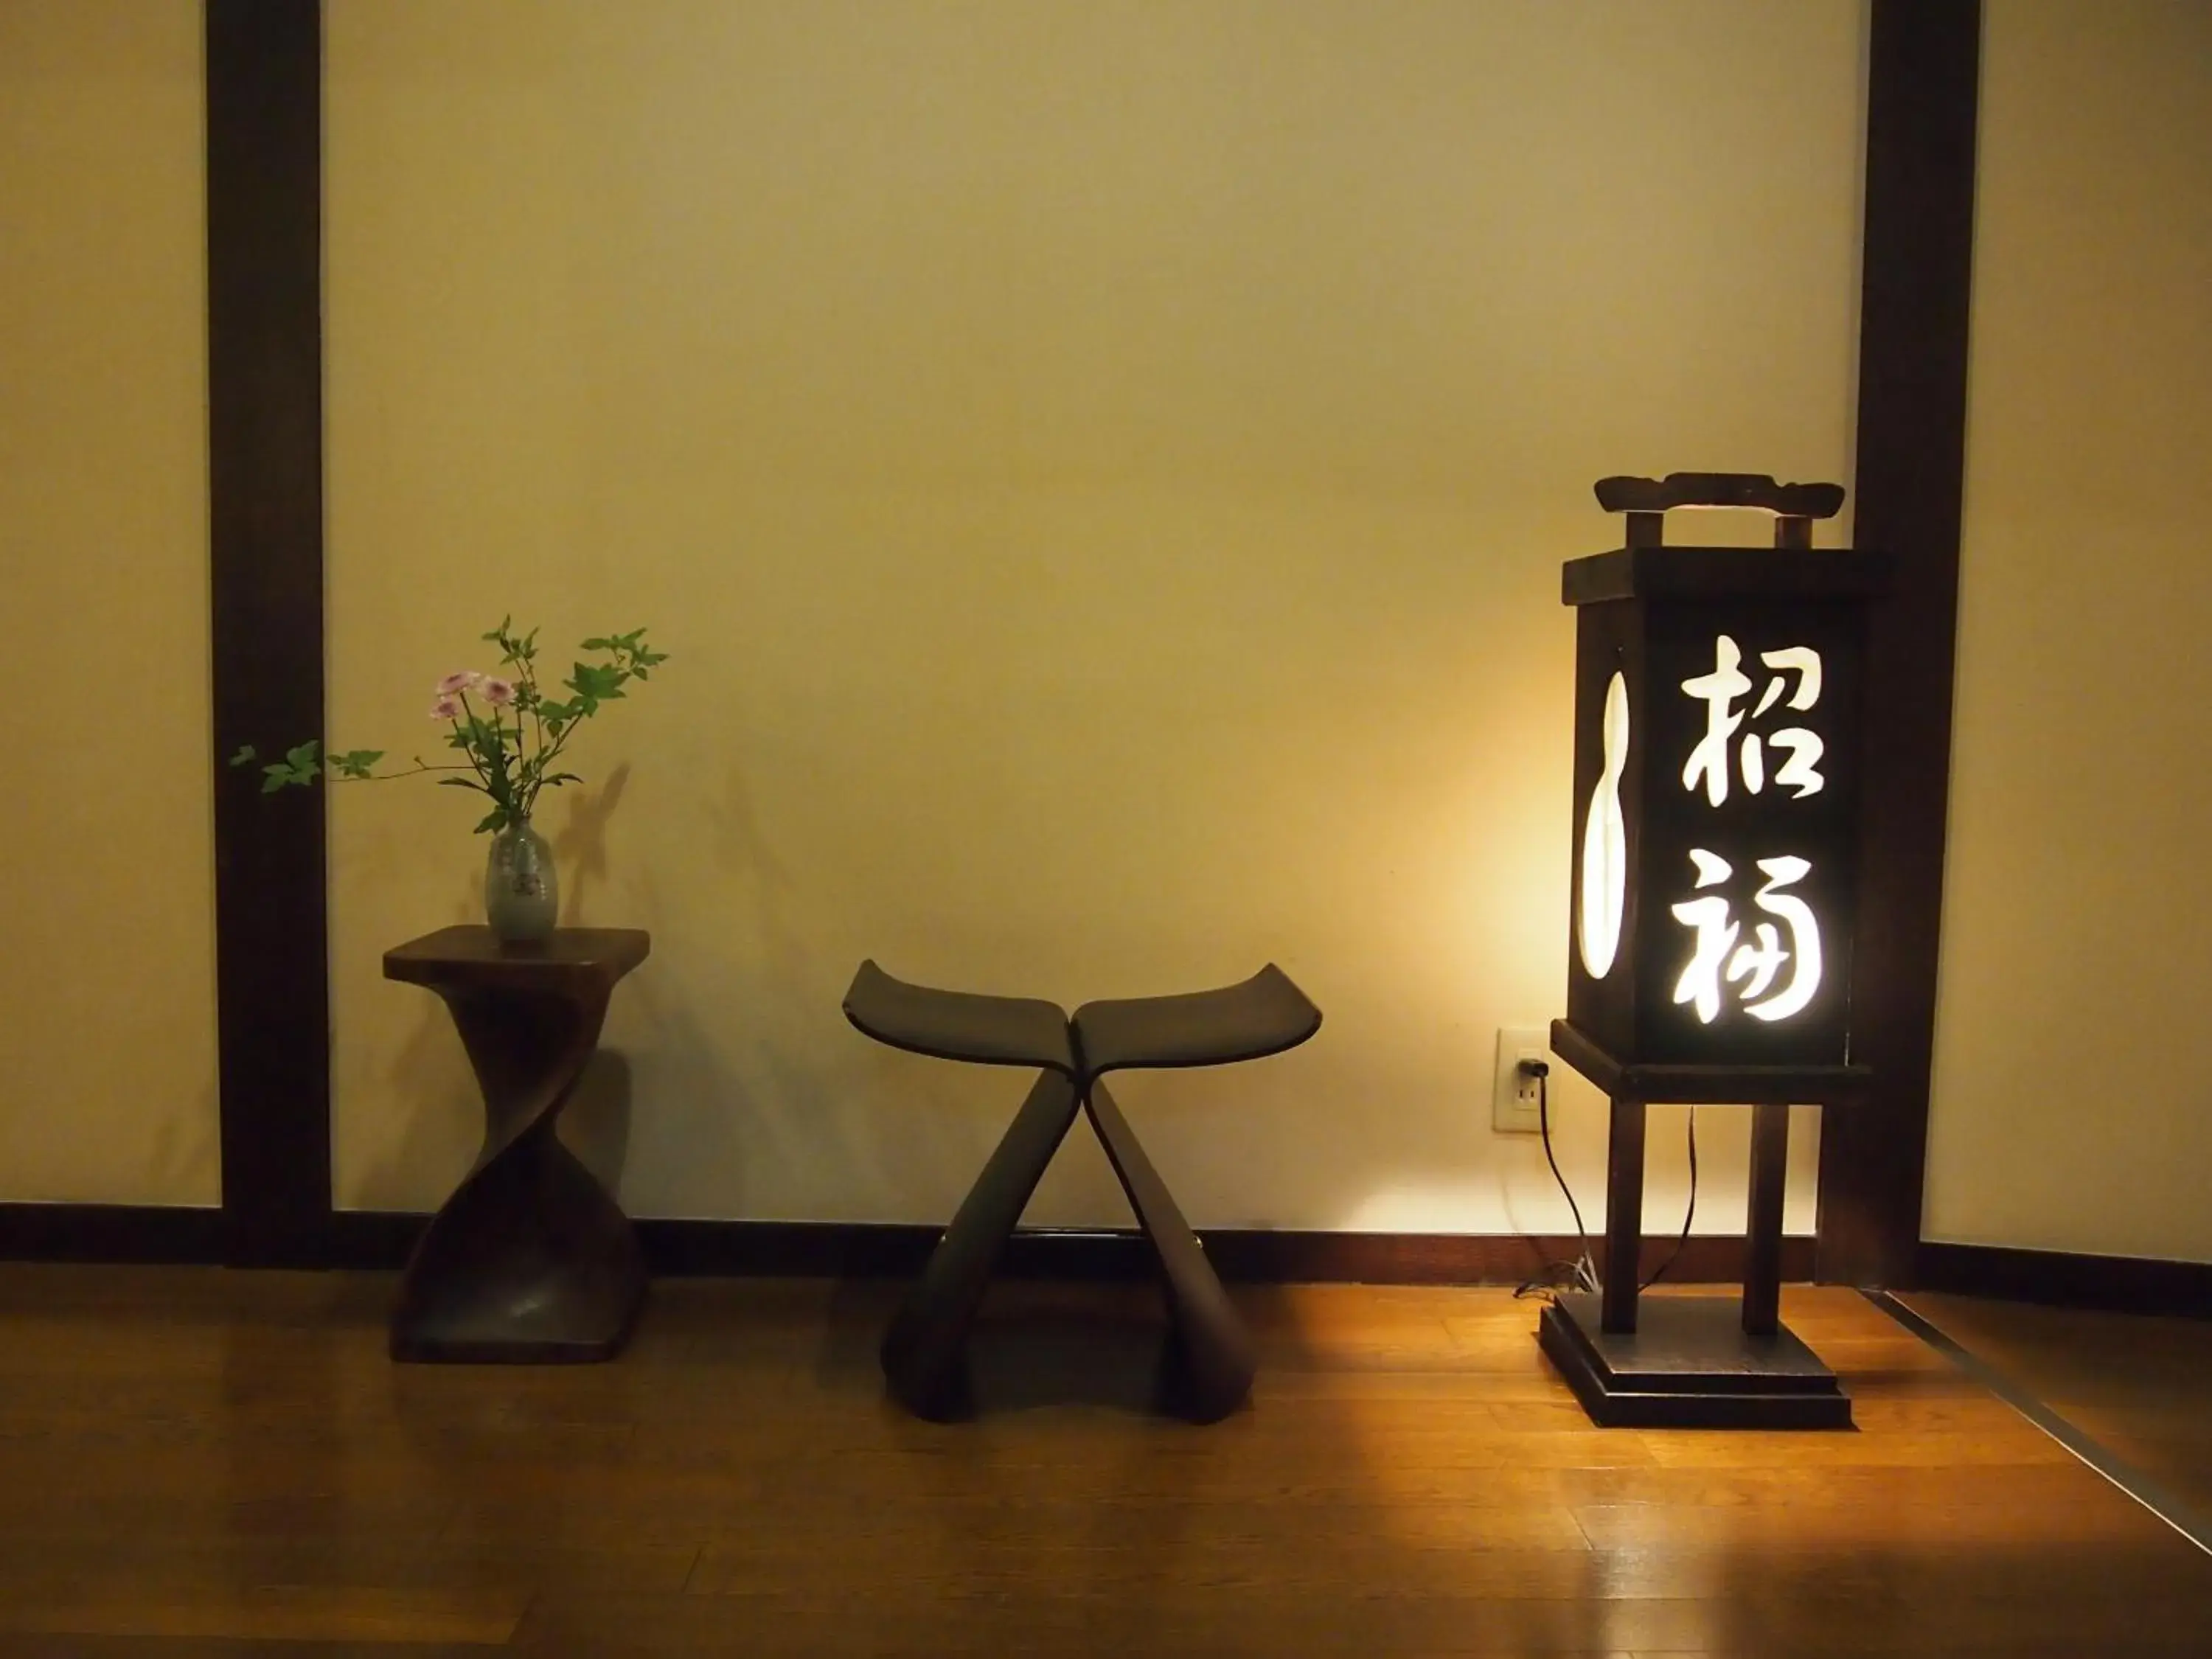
(107, 1072)
(1101, 472)
(2071, 1106)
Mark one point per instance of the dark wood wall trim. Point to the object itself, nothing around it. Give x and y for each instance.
(265, 550)
(364, 1238)
(381, 1239)
(1923, 88)
(2117, 1284)
(109, 1232)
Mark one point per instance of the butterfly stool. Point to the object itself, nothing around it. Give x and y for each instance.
(1211, 1353)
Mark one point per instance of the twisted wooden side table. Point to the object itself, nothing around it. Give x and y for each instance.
(1212, 1355)
(530, 1261)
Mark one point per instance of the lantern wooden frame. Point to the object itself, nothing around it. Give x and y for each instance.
(1645, 610)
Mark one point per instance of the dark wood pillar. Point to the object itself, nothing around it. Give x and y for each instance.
(266, 554)
(1924, 71)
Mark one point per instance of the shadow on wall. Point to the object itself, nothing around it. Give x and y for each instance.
(596, 1125)
(185, 1152)
(429, 1083)
(580, 846)
(433, 1071)
(736, 1091)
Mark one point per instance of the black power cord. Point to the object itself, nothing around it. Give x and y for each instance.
(1580, 1273)
(1688, 1215)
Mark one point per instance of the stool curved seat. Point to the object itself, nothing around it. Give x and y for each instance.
(987, 1031)
(1264, 1015)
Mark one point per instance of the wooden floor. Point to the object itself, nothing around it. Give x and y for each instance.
(2140, 1386)
(197, 1464)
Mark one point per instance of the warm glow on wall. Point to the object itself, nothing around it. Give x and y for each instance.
(1085, 459)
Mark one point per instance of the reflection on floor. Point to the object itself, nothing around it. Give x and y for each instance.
(200, 1463)
(2139, 1386)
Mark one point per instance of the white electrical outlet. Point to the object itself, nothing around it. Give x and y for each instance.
(1513, 1098)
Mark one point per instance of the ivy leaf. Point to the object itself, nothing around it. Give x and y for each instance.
(300, 765)
(356, 762)
(244, 757)
(596, 682)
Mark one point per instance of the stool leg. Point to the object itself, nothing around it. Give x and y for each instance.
(924, 1349)
(1213, 1348)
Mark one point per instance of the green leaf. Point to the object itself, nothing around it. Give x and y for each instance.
(356, 762)
(458, 783)
(274, 778)
(244, 757)
(495, 819)
(602, 681)
(305, 755)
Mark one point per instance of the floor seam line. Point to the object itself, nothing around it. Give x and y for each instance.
(2129, 1480)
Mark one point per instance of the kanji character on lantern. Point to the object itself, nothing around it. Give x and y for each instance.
(1716, 957)
(1708, 764)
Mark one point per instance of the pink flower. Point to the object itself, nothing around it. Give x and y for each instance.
(466, 679)
(446, 708)
(499, 693)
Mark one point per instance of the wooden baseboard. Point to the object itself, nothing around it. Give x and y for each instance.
(1251, 1256)
(151, 1233)
(2058, 1278)
(158, 1234)
(381, 1239)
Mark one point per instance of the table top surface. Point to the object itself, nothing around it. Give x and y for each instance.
(476, 954)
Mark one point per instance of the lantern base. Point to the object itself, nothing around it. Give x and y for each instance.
(1689, 1364)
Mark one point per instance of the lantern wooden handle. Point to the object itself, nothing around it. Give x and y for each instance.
(1751, 490)
(1647, 501)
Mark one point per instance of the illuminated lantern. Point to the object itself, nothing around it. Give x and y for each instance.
(1716, 726)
